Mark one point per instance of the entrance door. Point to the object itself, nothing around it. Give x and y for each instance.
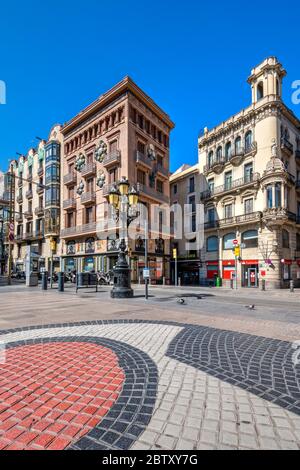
(252, 277)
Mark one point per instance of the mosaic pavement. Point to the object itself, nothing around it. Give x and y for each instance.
(146, 385)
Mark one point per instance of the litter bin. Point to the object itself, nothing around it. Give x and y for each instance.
(82, 279)
(93, 279)
(218, 281)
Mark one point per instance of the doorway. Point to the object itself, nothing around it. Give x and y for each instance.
(250, 278)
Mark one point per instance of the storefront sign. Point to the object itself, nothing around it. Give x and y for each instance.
(263, 273)
(146, 273)
(250, 261)
(286, 261)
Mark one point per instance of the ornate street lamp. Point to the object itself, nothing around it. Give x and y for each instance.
(124, 201)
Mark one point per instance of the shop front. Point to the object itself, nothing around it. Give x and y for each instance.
(228, 271)
(286, 272)
(250, 273)
(212, 271)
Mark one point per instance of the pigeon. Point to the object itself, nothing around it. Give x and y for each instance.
(181, 301)
(250, 307)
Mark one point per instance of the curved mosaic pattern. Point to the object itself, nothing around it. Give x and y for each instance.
(262, 366)
(127, 409)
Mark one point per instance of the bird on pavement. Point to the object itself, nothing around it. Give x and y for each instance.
(181, 301)
(250, 307)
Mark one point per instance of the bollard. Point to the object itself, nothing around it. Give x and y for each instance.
(164, 281)
(44, 280)
(231, 283)
(263, 284)
(61, 282)
(291, 286)
(179, 281)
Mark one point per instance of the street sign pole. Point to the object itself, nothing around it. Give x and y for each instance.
(236, 285)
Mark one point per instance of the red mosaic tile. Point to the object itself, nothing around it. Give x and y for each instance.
(48, 410)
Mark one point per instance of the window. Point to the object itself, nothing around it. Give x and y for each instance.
(141, 121)
(192, 184)
(285, 239)
(71, 192)
(269, 197)
(219, 154)
(227, 151)
(248, 172)
(192, 203)
(52, 196)
(113, 175)
(89, 215)
(298, 242)
(248, 140)
(70, 219)
(141, 177)
(212, 244)
(250, 238)
(193, 225)
(211, 215)
(160, 160)
(52, 174)
(228, 211)
(141, 147)
(211, 184)
(159, 186)
(175, 189)
(260, 91)
(228, 180)
(238, 145)
(210, 158)
(227, 241)
(90, 184)
(277, 194)
(248, 206)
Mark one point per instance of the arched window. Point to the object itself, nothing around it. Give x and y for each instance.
(248, 140)
(227, 151)
(212, 244)
(219, 154)
(210, 158)
(238, 145)
(260, 91)
(250, 238)
(227, 241)
(285, 239)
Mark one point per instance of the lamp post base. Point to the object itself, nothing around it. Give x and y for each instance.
(121, 293)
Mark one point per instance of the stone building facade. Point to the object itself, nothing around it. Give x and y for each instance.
(122, 134)
(251, 165)
(36, 207)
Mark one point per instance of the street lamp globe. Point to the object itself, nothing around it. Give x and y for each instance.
(124, 186)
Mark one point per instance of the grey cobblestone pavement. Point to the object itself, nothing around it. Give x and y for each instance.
(193, 409)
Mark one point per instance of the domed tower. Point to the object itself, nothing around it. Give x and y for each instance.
(266, 79)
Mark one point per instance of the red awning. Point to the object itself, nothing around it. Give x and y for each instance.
(228, 263)
(287, 261)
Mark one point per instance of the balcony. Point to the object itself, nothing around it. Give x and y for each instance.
(113, 158)
(29, 194)
(88, 197)
(28, 236)
(241, 219)
(278, 216)
(143, 159)
(70, 178)
(19, 218)
(20, 182)
(19, 237)
(211, 224)
(39, 211)
(20, 198)
(79, 230)
(232, 186)
(39, 190)
(51, 230)
(40, 171)
(89, 169)
(28, 215)
(152, 193)
(69, 204)
(29, 177)
(163, 171)
(39, 234)
(286, 146)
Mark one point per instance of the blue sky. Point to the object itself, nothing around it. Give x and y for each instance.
(192, 58)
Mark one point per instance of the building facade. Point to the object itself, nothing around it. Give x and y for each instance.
(184, 192)
(36, 205)
(122, 134)
(251, 165)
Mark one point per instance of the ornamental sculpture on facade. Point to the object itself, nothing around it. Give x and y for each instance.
(101, 151)
(79, 162)
(101, 180)
(80, 188)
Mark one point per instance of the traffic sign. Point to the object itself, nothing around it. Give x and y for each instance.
(146, 273)
(237, 251)
(175, 253)
(235, 242)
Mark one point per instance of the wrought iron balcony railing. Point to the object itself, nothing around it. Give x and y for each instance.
(230, 186)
